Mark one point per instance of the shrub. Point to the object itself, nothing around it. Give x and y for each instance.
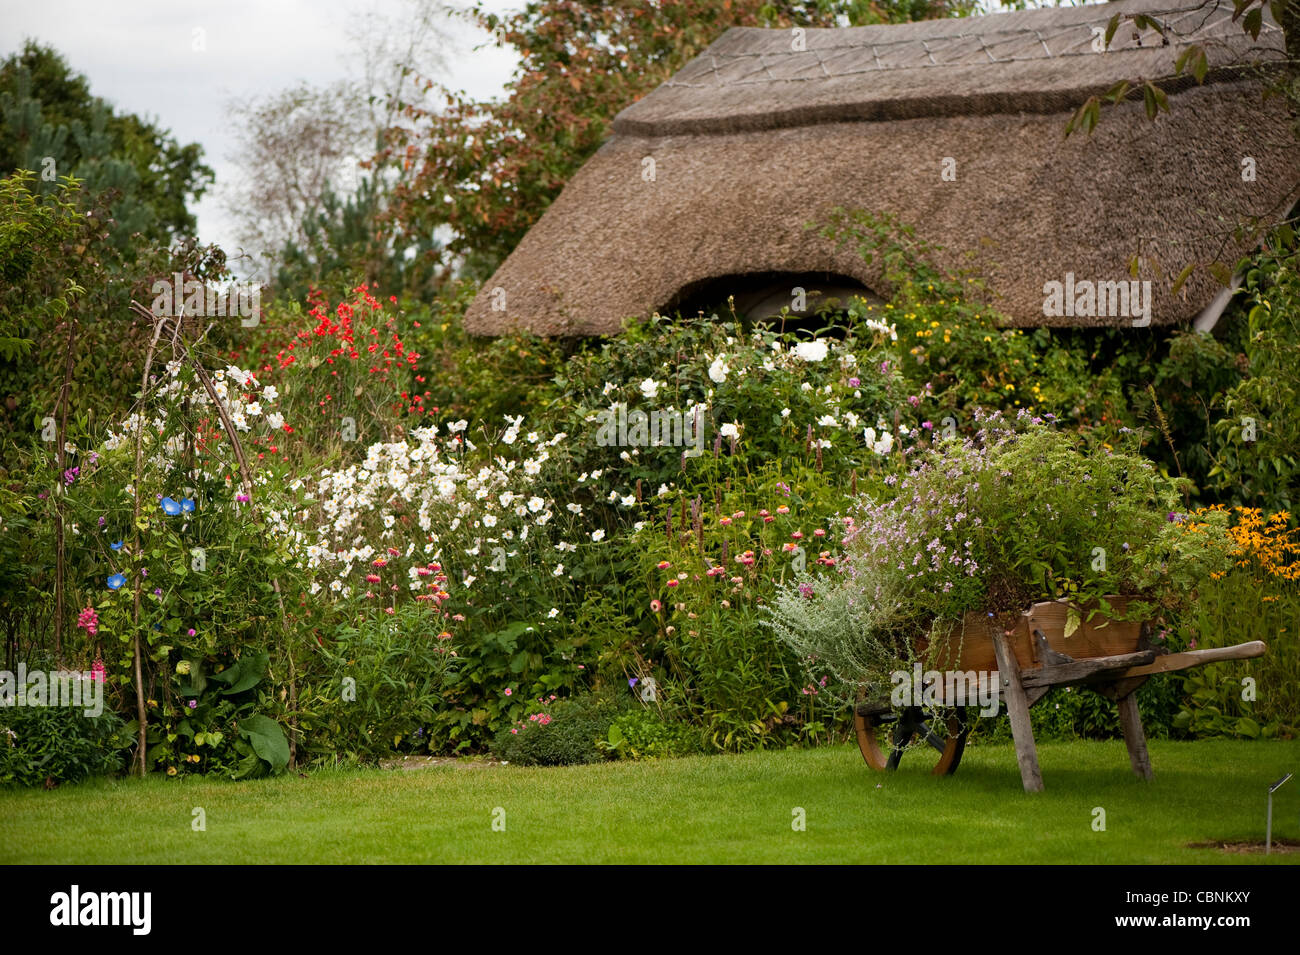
(59, 743)
(564, 733)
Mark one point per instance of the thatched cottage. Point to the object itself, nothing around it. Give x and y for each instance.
(954, 126)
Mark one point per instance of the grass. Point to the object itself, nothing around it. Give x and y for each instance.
(702, 809)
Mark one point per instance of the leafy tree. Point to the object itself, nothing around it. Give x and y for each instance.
(47, 112)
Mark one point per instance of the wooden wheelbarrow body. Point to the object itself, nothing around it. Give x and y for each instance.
(1024, 661)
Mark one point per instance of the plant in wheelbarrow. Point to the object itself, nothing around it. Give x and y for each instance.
(1022, 540)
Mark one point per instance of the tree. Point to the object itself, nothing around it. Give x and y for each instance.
(51, 123)
(299, 151)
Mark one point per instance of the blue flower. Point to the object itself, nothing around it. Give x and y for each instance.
(631, 681)
(116, 546)
(170, 507)
(187, 504)
(116, 581)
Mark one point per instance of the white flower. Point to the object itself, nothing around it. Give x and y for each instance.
(555, 612)
(627, 501)
(506, 498)
(275, 420)
(811, 351)
(489, 520)
(731, 430)
(457, 426)
(869, 435)
(650, 388)
(785, 412)
(885, 444)
(719, 369)
(573, 508)
(535, 504)
(558, 571)
(598, 535)
(827, 421)
(609, 388)
(254, 408)
(269, 393)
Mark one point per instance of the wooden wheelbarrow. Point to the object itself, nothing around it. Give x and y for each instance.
(1110, 657)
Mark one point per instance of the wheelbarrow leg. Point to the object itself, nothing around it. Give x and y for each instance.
(1013, 691)
(1134, 736)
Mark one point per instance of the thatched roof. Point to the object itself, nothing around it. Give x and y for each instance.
(753, 139)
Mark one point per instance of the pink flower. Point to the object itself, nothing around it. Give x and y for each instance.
(98, 670)
(673, 583)
(509, 691)
(663, 565)
(656, 606)
(89, 621)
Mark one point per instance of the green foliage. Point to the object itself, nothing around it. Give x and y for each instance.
(61, 744)
(643, 733)
(1258, 436)
(209, 720)
(566, 732)
(378, 685)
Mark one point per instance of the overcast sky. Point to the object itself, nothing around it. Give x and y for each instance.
(139, 55)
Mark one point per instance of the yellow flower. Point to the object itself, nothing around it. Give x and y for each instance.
(171, 770)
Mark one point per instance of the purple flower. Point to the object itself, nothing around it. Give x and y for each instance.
(241, 498)
(193, 703)
(631, 681)
(853, 382)
(157, 591)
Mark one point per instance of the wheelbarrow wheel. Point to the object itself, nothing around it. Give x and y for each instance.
(884, 737)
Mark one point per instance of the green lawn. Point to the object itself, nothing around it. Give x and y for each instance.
(703, 809)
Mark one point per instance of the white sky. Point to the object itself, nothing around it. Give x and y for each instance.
(138, 55)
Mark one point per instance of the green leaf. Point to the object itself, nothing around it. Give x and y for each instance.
(1111, 26)
(1254, 22)
(1183, 276)
(267, 739)
(245, 674)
